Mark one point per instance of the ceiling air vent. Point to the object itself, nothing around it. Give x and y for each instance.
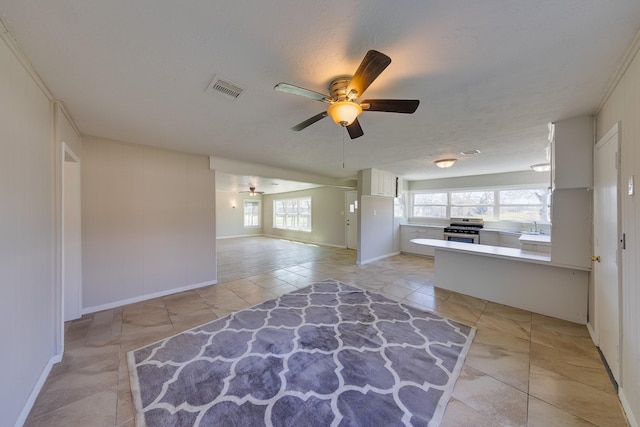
(470, 152)
(225, 88)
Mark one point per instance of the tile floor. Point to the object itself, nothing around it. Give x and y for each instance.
(523, 369)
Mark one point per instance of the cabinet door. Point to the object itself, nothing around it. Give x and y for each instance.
(389, 185)
(572, 152)
(489, 238)
(376, 182)
(409, 233)
(571, 227)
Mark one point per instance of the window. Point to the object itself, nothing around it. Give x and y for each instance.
(516, 204)
(430, 205)
(525, 205)
(398, 206)
(252, 213)
(292, 214)
(472, 204)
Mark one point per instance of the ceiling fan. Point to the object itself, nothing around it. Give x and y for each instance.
(343, 108)
(252, 191)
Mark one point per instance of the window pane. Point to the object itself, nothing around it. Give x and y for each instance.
(430, 199)
(524, 213)
(430, 211)
(251, 213)
(398, 207)
(485, 212)
(472, 198)
(535, 196)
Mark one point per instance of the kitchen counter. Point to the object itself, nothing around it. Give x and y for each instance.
(514, 277)
(488, 236)
(487, 250)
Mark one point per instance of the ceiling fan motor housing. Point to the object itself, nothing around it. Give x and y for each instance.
(338, 88)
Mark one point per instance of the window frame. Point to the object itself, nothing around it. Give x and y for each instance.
(447, 206)
(497, 205)
(244, 213)
(297, 216)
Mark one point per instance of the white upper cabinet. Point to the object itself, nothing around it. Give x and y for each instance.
(376, 182)
(572, 153)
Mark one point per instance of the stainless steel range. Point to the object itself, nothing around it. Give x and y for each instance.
(466, 230)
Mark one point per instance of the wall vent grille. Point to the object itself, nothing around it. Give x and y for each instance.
(224, 88)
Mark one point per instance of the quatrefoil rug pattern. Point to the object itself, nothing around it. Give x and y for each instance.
(328, 354)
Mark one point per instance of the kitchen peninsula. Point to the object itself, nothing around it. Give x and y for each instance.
(514, 277)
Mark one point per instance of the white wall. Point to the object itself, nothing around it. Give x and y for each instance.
(377, 230)
(27, 245)
(623, 105)
(327, 216)
(230, 220)
(495, 180)
(66, 131)
(148, 222)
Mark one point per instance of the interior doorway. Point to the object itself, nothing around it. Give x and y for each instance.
(71, 237)
(351, 219)
(606, 257)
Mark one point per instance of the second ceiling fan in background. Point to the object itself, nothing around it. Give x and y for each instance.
(343, 108)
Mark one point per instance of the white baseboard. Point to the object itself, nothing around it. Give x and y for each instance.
(238, 236)
(310, 242)
(627, 408)
(36, 390)
(592, 332)
(133, 300)
(367, 261)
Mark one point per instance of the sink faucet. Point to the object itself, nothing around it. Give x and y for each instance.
(534, 226)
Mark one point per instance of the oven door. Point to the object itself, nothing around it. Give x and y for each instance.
(461, 237)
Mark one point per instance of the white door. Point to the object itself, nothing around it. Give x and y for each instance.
(605, 265)
(351, 217)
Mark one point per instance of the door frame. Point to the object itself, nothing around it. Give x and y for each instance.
(66, 152)
(596, 335)
(348, 195)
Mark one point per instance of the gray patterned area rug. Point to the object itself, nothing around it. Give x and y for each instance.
(329, 354)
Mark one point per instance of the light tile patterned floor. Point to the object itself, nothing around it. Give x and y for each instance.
(523, 369)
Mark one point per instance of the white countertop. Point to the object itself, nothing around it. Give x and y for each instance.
(535, 238)
(494, 251)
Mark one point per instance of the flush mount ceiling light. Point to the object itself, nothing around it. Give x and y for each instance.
(445, 163)
(541, 167)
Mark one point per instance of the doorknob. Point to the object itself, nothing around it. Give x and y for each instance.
(595, 258)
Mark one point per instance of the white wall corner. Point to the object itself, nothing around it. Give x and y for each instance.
(633, 422)
(26, 409)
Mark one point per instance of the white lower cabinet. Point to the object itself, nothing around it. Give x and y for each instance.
(408, 232)
(489, 238)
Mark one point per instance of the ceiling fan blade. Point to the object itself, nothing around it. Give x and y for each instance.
(355, 130)
(295, 90)
(370, 68)
(407, 106)
(310, 121)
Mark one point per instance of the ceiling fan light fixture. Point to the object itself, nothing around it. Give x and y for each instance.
(344, 112)
(445, 163)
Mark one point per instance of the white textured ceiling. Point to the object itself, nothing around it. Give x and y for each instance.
(489, 74)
